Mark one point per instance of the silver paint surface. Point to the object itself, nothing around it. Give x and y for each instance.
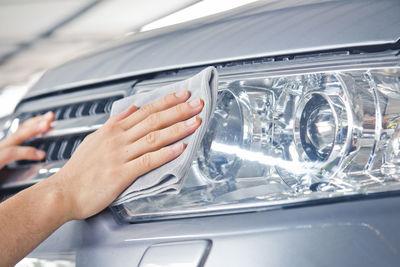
(352, 233)
(266, 28)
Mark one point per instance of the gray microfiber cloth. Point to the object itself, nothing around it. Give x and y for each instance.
(169, 177)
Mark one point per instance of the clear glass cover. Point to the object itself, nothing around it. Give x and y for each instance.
(290, 138)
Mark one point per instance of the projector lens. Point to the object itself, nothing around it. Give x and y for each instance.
(317, 128)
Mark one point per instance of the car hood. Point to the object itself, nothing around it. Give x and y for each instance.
(260, 29)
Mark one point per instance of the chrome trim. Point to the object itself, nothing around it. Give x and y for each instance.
(77, 125)
(28, 175)
(123, 89)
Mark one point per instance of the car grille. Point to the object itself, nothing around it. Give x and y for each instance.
(60, 144)
(57, 149)
(76, 110)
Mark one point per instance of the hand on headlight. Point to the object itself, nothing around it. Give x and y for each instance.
(10, 149)
(127, 146)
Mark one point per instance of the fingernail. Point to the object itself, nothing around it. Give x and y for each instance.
(48, 115)
(42, 125)
(195, 103)
(181, 94)
(178, 147)
(191, 121)
(40, 154)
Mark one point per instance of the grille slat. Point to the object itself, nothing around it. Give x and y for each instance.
(53, 155)
(100, 106)
(86, 109)
(59, 114)
(69, 148)
(76, 110)
(73, 112)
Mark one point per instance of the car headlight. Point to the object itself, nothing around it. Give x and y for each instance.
(280, 137)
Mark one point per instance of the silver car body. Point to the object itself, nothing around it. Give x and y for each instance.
(359, 231)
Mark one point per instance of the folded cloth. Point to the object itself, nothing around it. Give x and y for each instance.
(169, 177)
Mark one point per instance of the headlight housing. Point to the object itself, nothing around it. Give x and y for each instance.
(304, 130)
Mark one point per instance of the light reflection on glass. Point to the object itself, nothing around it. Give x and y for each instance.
(259, 157)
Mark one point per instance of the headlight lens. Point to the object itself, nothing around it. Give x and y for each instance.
(280, 139)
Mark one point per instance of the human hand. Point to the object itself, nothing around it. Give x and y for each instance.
(128, 145)
(10, 149)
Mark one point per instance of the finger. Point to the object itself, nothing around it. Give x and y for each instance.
(30, 128)
(163, 103)
(152, 160)
(155, 140)
(120, 116)
(14, 153)
(165, 118)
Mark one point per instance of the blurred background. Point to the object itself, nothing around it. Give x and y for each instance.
(36, 35)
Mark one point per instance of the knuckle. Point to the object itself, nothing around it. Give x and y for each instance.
(169, 99)
(18, 136)
(111, 126)
(29, 151)
(147, 109)
(11, 152)
(146, 161)
(180, 109)
(106, 129)
(152, 139)
(113, 142)
(30, 122)
(113, 172)
(177, 129)
(17, 152)
(164, 100)
(113, 119)
(154, 120)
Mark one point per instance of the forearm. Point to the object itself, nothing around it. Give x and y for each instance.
(28, 218)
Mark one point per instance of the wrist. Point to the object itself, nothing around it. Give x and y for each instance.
(57, 199)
